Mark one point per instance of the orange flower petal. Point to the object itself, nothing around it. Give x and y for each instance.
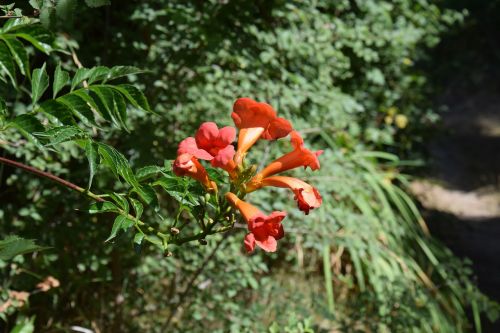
(300, 156)
(278, 128)
(256, 120)
(307, 196)
(188, 165)
(265, 230)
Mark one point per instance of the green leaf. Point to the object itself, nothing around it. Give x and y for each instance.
(48, 14)
(121, 223)
(92, 156)
(148, 194)
(171, 183)
(27, 124)
(121, 71)
(19, 53)
(147, 172)
(61, 78)
(13, 245)
(134, 96)
(12, 24)
(7, 63)
(138, 238)
(39, 83)
(98, 73)
(57, 112)
(37, 35)
(120, 110)
(36, 4)
(81, 75)
(118, 164)
(25, 326)
(177, 189)
(121, 201)
(103, 207)
(97, 3)
(103, 98)
(138, 207)
(62, 134)
(79, 107)
(84, 94)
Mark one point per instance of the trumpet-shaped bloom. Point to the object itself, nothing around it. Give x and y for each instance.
(300, 156)
(256, 120)
(188, 165)
(212, 144)
(265, 230)
(307, 196)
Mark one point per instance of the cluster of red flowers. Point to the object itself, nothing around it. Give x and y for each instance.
(255, 121)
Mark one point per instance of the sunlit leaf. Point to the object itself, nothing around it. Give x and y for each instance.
(61, 78)
(39, 83)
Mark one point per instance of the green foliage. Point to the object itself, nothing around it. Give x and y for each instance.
(12, 246)
(341, 71)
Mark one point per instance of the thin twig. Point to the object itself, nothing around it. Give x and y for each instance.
(50, 176)
(6, 17)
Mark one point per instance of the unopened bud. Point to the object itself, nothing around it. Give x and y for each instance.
(203, 241)
(167, 254)
(174, 231)
(207, 197)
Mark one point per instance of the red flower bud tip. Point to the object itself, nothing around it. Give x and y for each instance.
(300, 156)
(265, 230)
(256, 120)
(212, 144)
(306, 195)
(188, 165)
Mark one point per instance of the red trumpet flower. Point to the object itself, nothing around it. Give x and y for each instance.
(265, 230)
(211, 144)
(188, 165)
(256, 120)
(300, 156)
(307, 196)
